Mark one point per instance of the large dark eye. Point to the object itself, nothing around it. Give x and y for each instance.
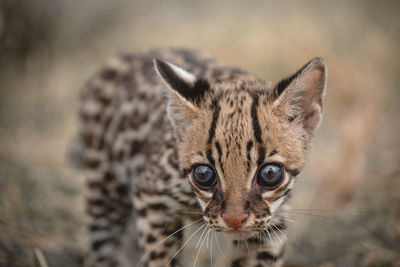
(204, 176)
(270, 175)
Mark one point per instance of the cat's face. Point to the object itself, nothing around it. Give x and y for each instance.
(241, 144)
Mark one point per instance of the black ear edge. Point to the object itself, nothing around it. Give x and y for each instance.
(168, 75)
(190, 91)
(317, 62)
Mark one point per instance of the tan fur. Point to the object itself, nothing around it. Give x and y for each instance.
(141, 149)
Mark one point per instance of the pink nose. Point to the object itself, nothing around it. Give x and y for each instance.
(235, 220)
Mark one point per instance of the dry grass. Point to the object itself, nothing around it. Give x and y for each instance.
(350, 188)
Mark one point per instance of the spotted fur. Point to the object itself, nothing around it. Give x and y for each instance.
(146, 120)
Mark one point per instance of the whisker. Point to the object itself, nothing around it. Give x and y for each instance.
(319, 210)
(305, 214)
(198, 242)
(264, 233)
(198, 253)
(165, 239)
(248, 250)
(286, 219)
(208, 235)
(211, 246)
(293, 234)
(270, 239)
(219, 248)
(280, 240)
(184, 244)
(165, 226)
(279, 231)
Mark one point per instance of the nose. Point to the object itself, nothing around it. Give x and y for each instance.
(235, 220)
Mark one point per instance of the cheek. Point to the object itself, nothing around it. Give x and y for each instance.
(215, 222)
(211, 215)
(261, 210)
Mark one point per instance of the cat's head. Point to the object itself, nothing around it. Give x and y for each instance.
(242, 143)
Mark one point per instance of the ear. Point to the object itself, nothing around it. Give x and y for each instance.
(303, 92)
(185, 92)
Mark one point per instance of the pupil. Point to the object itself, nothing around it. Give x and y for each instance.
(204, 176)
(270, 175)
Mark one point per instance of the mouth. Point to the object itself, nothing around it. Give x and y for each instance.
(236, 231)
(238, 234)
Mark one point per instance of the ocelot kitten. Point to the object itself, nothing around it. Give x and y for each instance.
(172, 135)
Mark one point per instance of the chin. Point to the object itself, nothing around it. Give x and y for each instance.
(238, 234)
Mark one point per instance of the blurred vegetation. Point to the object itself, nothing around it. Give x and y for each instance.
(347, 201)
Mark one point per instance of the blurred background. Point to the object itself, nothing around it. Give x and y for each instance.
(346, 205)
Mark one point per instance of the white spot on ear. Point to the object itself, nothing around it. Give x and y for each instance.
(183, 74)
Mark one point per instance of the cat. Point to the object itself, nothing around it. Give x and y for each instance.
(172, 135)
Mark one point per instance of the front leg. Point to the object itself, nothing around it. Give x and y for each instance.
(159, 230)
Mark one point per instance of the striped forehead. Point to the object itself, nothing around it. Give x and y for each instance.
(234, 137)
(234, 123)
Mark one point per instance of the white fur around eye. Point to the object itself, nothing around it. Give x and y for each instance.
(274, 206)
(277, 158)
(290, 186)
(202, 203)
(198, 159)
(268, 194)
(202, 193)
(272, 192)
(183, 74)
